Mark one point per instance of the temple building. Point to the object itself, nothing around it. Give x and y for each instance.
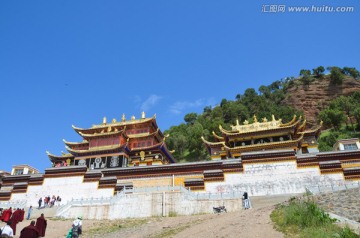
(263, 136)
(134, 142)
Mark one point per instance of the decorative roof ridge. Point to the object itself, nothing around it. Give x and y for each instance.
(75, 143)
(98, 148)
(261, 130)
(102, 134)
(161, 143)
(293, 120)
(212, 143)
(146, 134)
(67, 155)
(313, 130)
(123, 123)
(217, 137)
(269, 143)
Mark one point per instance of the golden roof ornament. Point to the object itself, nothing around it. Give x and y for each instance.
(272, 117)
(113, 120)
(246, 122)
(132, 117)
(109, 129)
(104, 120)
(143, 115)
(264, 119)
(255, 119)
(123, 117)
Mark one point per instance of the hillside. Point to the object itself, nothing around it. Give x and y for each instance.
(311, 94)
(316, 96)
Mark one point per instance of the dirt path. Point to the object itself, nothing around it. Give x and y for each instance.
(246, 223)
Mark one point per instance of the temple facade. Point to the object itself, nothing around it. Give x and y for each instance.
(263, 136)
(134, 142)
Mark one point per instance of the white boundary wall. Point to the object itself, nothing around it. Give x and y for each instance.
(273, 179)
(65, 187)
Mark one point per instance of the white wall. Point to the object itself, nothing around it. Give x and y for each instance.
(272, 179)
(66, 187)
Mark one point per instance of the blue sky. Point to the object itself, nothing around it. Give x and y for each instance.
(74, 62)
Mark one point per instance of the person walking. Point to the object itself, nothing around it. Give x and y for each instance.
(41, 224)
(29, 213)
(29, 231)
(40, 202)
(246, 200)
(76, 227)
(7, 231)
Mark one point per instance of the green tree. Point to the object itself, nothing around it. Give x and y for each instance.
(336, 75)
(332, 117)
(305, 77)
(353, 72)
(190, 118)
(319, 72)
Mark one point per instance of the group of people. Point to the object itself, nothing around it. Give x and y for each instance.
(49, 202)
(13, 218)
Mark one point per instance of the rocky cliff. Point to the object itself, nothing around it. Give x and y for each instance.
(315, 97)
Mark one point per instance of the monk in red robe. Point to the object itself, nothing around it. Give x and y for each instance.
(41, 224)
(15, 219)
(7, 214)
(22, 214)
(30, 231)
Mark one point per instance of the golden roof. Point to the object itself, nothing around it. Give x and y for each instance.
(259, 126)
(115, 123)
(95, 149)
(217, 137)
(103, 133)
(139, 135)
(75, 143)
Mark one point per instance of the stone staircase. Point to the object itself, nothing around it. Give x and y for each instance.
(48, 212)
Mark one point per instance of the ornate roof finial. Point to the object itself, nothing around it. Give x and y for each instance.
(143, 115)
(246, 122)
(113, 120)
(109, 129)
(155, 115)
(123, 117)
(264, 119)
(255, 119)
(104, 120)
(132, 117)
(237, 122)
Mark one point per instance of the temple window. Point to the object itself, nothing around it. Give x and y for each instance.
(19, 171)
(350, 147)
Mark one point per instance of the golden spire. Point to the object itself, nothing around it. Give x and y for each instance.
(132, 117)
(255, 119)
(123, 117)
(237, 122)
(273, 117)
(104, 120)
(143, 115)
(246, 122)
(113, 120)
(264, 119)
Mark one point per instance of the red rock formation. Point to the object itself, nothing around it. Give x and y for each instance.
(315, 97)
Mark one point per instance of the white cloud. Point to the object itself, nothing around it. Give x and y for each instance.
(151, 101)
(180, 106)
